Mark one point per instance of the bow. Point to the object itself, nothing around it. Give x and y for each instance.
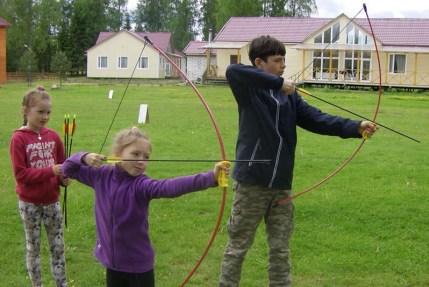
(284, 201)
(223, 179)
(222, 150)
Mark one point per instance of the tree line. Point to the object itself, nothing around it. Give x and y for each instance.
(54, 35)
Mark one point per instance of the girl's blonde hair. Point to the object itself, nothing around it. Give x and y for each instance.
(126, 137)
(32, 97)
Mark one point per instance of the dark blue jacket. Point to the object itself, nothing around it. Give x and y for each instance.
(267, 126)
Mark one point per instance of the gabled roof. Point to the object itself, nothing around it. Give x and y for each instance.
(4, 23)
(390, 31)
(195, 48)
(399, 31)
(161, 39)
(285, 29)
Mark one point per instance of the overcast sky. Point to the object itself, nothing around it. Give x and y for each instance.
(376, 8)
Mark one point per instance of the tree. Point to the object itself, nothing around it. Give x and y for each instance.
(301, 8)
(208, 19)
(87, 21)
(28, 64)
(153, 15)
(275, 8)
(64, 37)
(127, 23)
(227, 9)
(116, 14)
(47, 18)
(19, 13)
(60, 65)
(35, 24)
(183, 23)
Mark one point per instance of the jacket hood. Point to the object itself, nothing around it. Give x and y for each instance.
(25, 129)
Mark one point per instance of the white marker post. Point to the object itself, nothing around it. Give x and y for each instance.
(143, 114)
(110, 94)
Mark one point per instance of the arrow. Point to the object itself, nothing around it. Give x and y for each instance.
(353, 113)
(112, 159)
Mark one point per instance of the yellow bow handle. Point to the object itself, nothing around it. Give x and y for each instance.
(222, 178)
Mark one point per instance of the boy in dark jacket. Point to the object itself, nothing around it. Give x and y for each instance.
(269, 110)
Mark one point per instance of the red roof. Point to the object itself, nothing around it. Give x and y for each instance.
(4, 23)
(390, 31)
(194, 48)
(285, 29)
(399, 31)
(161, 39)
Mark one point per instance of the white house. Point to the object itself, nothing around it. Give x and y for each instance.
(117, 54)
(197, 58)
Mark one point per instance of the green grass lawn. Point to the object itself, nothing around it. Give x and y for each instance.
(367, 226)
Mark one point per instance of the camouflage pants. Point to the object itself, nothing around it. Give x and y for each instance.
(251, 204)
(32, 216)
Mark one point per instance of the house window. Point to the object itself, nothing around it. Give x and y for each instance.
(167, 69)
(233, 59)
(102, 63)
(325, 65)
(397, 64)
(357, 65)
(122, 62)
(356, 36)
(143, 63)
(330, 35)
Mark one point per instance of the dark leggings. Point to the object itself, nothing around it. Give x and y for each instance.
(124, 279)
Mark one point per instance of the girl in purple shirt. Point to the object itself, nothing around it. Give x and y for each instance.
(122, 195)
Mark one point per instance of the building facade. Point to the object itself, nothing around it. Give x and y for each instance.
(337, 50)
(124, 53)
(3, 27)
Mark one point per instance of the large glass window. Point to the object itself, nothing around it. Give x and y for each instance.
(330, 35)
(357, 66)
(102, 62)
(357, 61)
(397, 64)
(355, 36)
(325, 65)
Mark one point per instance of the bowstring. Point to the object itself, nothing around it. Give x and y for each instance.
(111, 200)
(122, 98)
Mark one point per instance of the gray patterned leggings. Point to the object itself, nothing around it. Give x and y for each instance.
(32, 216)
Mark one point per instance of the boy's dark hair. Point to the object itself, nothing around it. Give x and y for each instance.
(264, 46)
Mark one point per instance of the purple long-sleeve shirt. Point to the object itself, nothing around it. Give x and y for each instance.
(121, 210)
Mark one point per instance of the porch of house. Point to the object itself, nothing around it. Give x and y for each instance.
(338, 84)
(350, 85)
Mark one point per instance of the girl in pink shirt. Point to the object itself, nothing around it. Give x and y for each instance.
(37, 153)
